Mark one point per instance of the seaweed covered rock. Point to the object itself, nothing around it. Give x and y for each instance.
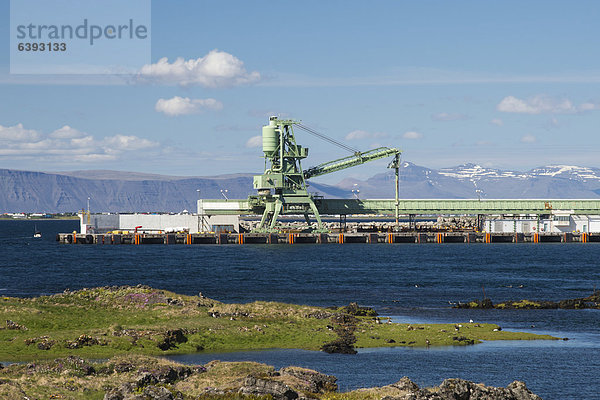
(580, 303)
(484, 304)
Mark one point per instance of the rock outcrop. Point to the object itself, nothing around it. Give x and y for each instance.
(310, 381)
(591, 301)
(266, 387)
(457, 389)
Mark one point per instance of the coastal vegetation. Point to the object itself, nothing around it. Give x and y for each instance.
(147, 378)
(107, 321)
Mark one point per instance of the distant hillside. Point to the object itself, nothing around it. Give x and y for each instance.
(118, 191)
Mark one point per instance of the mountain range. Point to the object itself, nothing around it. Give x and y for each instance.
(118, 191)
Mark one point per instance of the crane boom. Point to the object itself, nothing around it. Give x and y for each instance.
(350, 161)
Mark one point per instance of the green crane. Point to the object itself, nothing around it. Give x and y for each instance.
(350, 161)
(282, 188)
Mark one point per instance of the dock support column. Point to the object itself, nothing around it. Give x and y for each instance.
(240, 238)
(536, 238)
(421, 238)
(412, 224)
(584, 238)
(342, 222)
(322, 238)
(373, 238)
(272, 239)
(487, 238)
(223, 238)
(291, 238)
(390, 238)
(341, 238)
(440, 238)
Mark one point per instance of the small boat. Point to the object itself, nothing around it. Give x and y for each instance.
(36, 233)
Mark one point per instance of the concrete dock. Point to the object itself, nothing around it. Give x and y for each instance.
(323, 238)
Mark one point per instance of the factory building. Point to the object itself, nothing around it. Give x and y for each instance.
(557, 222)
(160, 223)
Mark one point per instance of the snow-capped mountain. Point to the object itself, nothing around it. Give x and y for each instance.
(472, 181)
(569, 172)
(475, 172)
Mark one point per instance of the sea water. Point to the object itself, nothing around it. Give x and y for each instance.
(411, 283)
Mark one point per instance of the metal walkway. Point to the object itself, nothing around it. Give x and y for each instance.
(419, 206)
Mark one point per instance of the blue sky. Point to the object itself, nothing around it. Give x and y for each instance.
(509, 84)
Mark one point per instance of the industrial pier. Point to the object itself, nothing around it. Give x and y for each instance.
(322, 238)
(282, 191)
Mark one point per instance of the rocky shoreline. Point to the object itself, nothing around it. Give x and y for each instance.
(151, 378)
(590, 302)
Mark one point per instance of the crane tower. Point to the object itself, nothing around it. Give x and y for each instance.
(282, 188)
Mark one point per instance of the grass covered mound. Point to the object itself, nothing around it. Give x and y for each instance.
(107, 321)
(123, 376)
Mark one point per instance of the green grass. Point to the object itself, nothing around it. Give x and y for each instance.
(134, 320)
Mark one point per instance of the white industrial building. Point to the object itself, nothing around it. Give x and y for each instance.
(162, 223)
(560, 221)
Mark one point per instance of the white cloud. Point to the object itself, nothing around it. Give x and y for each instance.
(542, 104)
(254, 141)
(412, 135)
(497, 122)
(17, 134)
(185, 106)
(66, 132)
(528, 139)
(66, 144)
(589, 106)
(447, 117)
(216, 69)
(128, 143)
(360, 134)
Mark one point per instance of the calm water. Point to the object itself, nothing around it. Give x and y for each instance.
(412, 283)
